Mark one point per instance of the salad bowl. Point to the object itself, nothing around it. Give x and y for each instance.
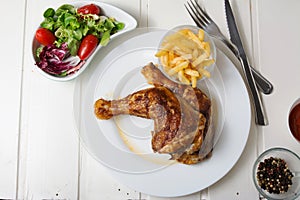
(107, 10)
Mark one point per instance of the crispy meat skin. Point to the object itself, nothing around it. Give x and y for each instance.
(202, 145)
(180, 128)
(194, 96)
(174, 121)
(156, 103)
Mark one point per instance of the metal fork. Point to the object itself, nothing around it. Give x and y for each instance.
(202, 19)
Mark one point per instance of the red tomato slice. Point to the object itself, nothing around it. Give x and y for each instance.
(89, 9)
(45, 36)
(87, 46)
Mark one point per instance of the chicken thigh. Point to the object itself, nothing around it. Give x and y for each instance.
(180, 115)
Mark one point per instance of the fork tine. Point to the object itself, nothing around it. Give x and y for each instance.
(195, 15)
(201, 11)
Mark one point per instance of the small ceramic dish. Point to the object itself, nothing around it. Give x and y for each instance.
(294, 120)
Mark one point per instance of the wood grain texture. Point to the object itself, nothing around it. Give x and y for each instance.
(278, 46)
(41, 156)
(11, 54)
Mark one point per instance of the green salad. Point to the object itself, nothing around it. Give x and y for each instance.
(69, 35)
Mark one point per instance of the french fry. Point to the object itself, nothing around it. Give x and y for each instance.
(200, 59)
(194, 81)
(196, 39)
(192, 72)
(206, 47)
(166, 46)
(171, 56)
(201, 35)
(172, 37)
(185, 45)
(195, 53)
(176, 60)
(184, 31)
(178, 68)
(206, 62)
(182, 78)
(161, 53)
(204, 72)
(185, 55)
(164, 60)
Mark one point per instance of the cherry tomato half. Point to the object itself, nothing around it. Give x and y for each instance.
(89, 9)
(44, 36)
(87, 46)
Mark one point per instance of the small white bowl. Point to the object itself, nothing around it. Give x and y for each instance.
(108, 10)
(207, 38)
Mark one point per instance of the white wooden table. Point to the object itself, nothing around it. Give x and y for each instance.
(40, 154)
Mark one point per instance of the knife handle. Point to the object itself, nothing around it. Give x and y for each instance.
(262, 83)
(260, 115)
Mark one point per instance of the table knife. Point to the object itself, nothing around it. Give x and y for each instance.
(260, 115)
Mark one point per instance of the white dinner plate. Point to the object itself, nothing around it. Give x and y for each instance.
(123, 144)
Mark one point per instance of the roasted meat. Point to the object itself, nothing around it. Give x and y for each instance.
(181, 116)
(199, 101)
(194, 96)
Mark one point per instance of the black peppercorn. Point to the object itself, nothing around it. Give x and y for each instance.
(274, 176)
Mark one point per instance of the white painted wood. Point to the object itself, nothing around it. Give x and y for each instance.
(195, 196)
(167, 14)
(9, 106)
(49, 145)
(11, 54)
(37, 113)
(279, 47)
(97, 183)
(49, 157)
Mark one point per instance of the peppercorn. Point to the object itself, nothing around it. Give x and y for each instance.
(274, 176)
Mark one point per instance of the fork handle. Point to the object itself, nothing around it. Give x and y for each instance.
(262, 83)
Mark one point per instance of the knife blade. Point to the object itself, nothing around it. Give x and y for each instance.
(260, 115)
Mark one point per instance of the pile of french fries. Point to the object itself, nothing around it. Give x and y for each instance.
(185, 55)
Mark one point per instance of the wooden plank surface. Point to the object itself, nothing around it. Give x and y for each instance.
(11, 54)
(40, 153)
(49, 146)
(279, 32)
